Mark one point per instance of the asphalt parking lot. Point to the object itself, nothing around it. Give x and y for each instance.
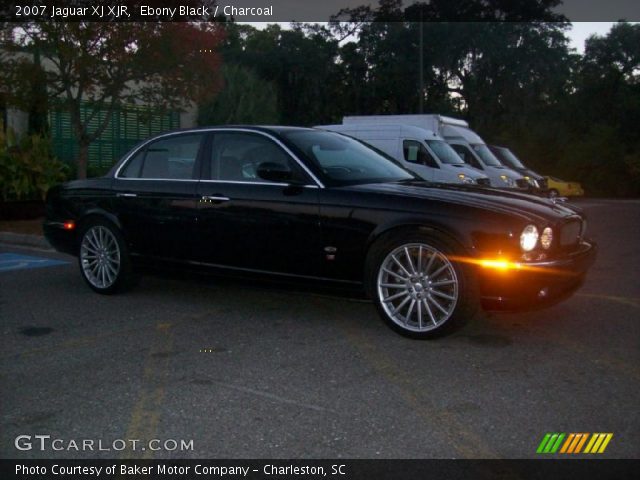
(248, 370)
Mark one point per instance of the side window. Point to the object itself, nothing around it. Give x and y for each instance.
(171, 158)
(414, 152)
(467, 156)
(235, 157)
(133, 166)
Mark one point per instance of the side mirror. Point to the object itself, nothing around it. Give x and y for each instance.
(274, 172)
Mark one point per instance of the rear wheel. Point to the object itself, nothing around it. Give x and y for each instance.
(104, 257)
(420, 287)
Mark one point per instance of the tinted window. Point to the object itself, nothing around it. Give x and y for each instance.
(467, 156)
(171, 158)
(344, 160)
(132, 169)
(444, 152)
(485, 154)
(414, 152)
(508, 157)
(235, 157)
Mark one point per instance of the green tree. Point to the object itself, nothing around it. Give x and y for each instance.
(300, 62)
(103, 65)
(604, 114)
(245, 99)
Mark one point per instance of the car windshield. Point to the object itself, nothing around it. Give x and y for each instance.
(445, 153)
(507, 155)
(344, 160)
(485, 154)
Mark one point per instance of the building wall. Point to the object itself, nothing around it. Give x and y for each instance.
(17, 121)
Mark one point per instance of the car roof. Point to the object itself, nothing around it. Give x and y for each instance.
(278, 129)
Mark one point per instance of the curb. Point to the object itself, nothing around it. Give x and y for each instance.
(24, 240)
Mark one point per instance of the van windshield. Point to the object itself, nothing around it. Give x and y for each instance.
(485, 154)
(510, 158)
(444, 152)
(346, 161)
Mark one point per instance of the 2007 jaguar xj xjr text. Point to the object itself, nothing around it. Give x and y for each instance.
(306, 203)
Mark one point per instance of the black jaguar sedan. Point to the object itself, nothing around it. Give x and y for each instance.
(309, 204)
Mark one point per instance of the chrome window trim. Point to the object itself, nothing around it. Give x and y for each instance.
(159, 179)
(319, 184)
(272, 184)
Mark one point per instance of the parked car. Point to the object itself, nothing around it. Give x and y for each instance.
(309, 204)
(419, 150)
(467, 143)
(537, 182)
(562, 188)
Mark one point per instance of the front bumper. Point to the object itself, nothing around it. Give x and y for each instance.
(536, 285)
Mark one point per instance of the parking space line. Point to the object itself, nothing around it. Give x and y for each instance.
(271, 396)
(467, 443)
(145, 416)
(612, 298)
(13, 261)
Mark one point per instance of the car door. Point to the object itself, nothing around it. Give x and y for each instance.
(156, 196)
(419, 159)
(249, 223)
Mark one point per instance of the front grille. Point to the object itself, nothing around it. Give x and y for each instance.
(485, 182)
(571, 233)
(522, 183)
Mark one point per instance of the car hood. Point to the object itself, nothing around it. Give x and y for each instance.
(529, 173)
(466, 169)
(528, 207)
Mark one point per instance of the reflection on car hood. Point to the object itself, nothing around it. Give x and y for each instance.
(505, 201)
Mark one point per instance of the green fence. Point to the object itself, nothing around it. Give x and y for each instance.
(127, 126)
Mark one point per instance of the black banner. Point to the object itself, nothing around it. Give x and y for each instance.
(544, 469)
(314, 11)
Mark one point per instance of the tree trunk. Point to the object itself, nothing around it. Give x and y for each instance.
(83, 156)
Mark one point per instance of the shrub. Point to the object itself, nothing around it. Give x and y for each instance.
(28, 168)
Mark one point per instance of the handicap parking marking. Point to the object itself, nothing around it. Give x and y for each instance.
(14, 261)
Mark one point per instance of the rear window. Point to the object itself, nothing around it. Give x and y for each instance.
(170, 158)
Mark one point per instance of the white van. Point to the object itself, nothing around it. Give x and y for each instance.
(419, 150)
(468, 144)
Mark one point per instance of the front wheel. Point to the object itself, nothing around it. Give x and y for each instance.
(103, 257)
(553, 193)
(420, 287)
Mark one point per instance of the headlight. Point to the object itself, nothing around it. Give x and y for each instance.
(546, 238)
(464, 179)
(529, 238)
(508, 180)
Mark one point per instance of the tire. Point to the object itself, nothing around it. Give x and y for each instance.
(553, 193)
(420, 288)
(103, 257)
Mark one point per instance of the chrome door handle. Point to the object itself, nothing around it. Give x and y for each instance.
(214, 198)
(127, 195)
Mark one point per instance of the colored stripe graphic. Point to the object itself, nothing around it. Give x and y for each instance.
(598, 442)
(555, 443)
(577, 437)
(581, 442)
(543, 443)
(550, 443)
(567, 442)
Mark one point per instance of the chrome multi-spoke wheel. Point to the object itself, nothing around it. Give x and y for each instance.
(417, 287)
(100, 257)
(104, 257)
(419, 284)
